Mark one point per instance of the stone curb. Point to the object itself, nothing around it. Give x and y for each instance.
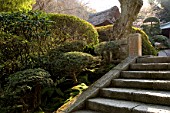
(79, 101)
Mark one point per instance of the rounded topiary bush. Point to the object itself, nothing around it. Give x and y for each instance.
(70, 63)
(66, 27)
(23, 90)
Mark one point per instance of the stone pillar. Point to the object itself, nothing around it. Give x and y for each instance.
(135, 45)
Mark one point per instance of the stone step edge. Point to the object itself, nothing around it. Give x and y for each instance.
(141, 84)
(150, 66)
(153, 59)
(125, 106)
(145, 74)
(139, 95)
(86, 111)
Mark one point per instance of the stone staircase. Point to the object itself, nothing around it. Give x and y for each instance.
(143, 88)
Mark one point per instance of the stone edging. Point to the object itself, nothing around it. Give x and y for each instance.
(79, 101)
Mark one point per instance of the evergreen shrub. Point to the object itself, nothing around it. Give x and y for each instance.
(162, 39)
(147, 48)
(105, 32)
(70, 63)
(108, 50)
(77, 45)
(23, 90)
(71, 28)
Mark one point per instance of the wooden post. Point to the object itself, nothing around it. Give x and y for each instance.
(135, 45)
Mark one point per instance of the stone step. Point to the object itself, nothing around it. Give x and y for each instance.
(86, 111)
(150, 66)
(162, 75)
(141, 84)
(154, 60)
(146, 96)
(121, 106)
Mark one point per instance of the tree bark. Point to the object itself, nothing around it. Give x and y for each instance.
(129, 11)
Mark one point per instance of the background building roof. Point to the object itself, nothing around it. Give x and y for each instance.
(165, 25)
(105, 17)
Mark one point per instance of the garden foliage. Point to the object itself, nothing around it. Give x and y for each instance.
(163, 40)
(108, 50)
(70, 63)
(151, 26)
(23, 36)
(33, 40)
(105, 32)
(16, 5)
(72, 28)
(69, 46)
(23, 90)
(147, 48)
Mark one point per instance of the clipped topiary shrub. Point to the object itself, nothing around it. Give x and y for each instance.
(71, 28)
(77, 45)
(105, 32)
(23, 90)
(162, 39)
(151, 26)
(147, 48)
(108, 50)
(152, 20)
(70, 63)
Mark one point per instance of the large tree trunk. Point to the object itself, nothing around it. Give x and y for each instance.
(129, 11)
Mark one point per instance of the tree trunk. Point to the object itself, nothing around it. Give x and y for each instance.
(129, 11)
(75, 78)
